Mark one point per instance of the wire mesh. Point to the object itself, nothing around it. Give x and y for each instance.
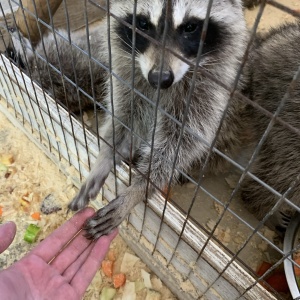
(191, 228)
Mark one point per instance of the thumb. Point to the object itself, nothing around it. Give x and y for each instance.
(7, 234)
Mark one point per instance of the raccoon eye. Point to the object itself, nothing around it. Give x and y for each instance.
(190, 27)
(143, 24)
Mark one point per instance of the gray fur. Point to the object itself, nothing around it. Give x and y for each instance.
(53, 57)
(274, 61)
(206, 109)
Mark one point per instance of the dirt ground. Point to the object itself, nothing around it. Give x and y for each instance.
(272, 16)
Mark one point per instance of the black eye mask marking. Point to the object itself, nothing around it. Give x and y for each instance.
(186, 37)
(125, 33)
(189, 35)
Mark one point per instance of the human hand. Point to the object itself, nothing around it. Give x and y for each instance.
(67, 276)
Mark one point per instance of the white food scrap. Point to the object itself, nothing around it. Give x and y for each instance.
(128, 262)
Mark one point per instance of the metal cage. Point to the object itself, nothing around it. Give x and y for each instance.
(194, 254)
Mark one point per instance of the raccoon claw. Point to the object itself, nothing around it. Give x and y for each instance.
(96, 235)
(285, 219)
(80, 200)
(89, 190)
(105, 220)
(279, 221)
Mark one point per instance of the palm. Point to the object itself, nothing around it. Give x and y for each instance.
(44, 281)
(67, 276)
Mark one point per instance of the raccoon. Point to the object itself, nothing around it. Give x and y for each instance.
(273, 62)
(149, 127)
(60, 63)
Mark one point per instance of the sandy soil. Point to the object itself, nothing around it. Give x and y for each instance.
(272, 16)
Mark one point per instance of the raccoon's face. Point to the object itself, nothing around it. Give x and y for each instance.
(185, 22)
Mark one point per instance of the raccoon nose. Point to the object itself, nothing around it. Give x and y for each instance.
(167, 78)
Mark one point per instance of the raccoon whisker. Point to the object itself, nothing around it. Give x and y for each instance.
(198, 70)
(204, 56)
(129, 54)
(205, 65)
(209, 53)
(125, 55)
(212, 63)
(129, 45)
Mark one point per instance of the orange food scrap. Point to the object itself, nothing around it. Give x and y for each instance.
(111, 255)
(119, 280)
(1, 211)
(278, 282)
(107, 267)
(36, 216)
(276, 279)
(263, 268)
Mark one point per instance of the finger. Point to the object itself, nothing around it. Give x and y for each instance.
(86, 273)
(71, 253)
(7, 235)
(51, 246)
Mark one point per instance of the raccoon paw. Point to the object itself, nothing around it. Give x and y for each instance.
(89, 190)
(105, 219)
(279, 221)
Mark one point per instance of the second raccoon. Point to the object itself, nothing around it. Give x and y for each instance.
(274, 61)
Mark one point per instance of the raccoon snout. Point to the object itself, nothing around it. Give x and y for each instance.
(167, 78)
